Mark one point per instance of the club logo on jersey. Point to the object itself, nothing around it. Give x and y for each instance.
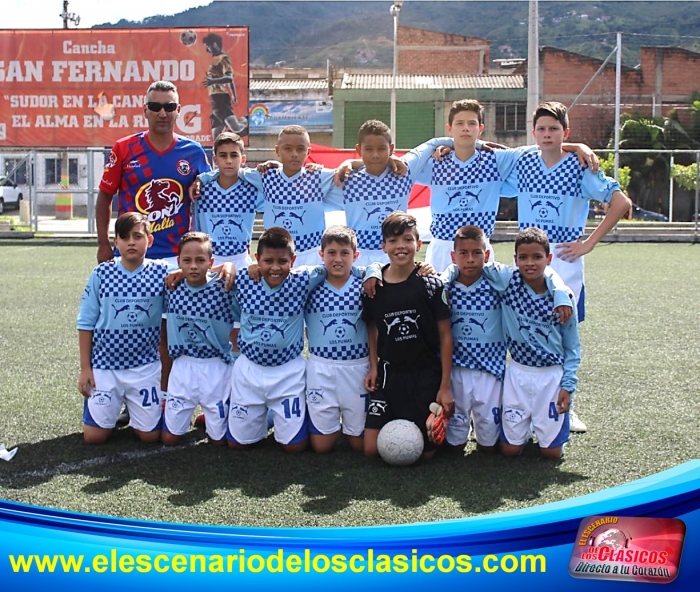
(132, 164)
(161, 200)
(184, 167)
(111, 161)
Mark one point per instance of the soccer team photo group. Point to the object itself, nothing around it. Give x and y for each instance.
(267, 266)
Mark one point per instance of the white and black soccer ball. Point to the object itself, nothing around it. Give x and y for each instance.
(188, 37)
(400, 442)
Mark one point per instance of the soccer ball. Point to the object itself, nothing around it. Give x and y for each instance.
(400, 442)
(188, 37)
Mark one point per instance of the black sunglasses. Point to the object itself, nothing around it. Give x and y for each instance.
(156, 107)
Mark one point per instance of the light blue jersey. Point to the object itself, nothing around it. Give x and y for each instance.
(556, 199)
(334, 324)
(463, 193)
(368, 199)
(227, 215)
(477, 328)
(295, 203)
(123, 309)
(272, 319)
(200, 320)
(534, 336)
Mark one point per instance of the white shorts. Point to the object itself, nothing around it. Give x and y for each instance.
(371, 256)
(308, 257)
(259, 388)
(336, 388)
(192, 382)
(138, 387)
(530, 396)
(438, 253)
(572, 274)
(240, 261)
(477, 393)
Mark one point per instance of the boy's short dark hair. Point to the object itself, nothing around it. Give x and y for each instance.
(374, 127)
(228, 138)
(276, 238)
(213, 38)
(530, 236)
(398, 223)
(293, 130)
(343, 235)
(126, 222)
(470, 233)
(466, 105)
(552, 109)
(196, 237)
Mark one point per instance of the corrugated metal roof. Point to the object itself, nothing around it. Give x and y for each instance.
(288, 84)
(416, 81)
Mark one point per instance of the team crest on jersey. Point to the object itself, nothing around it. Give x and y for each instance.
(183, 167)
(111, 160)
(159, 199)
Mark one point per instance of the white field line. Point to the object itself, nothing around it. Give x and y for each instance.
(76, 467)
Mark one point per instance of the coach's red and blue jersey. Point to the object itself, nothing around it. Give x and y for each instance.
(155, 184)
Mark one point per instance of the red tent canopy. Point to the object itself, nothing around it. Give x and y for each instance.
(331, 158)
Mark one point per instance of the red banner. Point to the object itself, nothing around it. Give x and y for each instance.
(72, 87)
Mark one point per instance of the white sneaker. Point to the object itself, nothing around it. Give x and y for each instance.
(576, 425)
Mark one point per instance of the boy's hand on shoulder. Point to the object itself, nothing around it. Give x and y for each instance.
(441, 152)
(425, 269)
(563, 401)
(86, 383)
(174, 278)
(343, 172)
(563, 313)
(312, 167)
(267, 165)
(195, 190)
(254, 272)
(227, 273)
(397, 165)
(587, 158)
(370, 285)
(490, 146)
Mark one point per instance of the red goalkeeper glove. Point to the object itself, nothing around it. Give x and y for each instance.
(436, 424)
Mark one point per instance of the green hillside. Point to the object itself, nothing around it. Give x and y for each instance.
(359, 34)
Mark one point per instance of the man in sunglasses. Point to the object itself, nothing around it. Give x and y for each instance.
(151, 172)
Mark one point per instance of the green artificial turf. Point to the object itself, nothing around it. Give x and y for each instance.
(637, 394)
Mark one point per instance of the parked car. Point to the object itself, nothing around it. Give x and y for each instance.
(10, 194)
(641, 214)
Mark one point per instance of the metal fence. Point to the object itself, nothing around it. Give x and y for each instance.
(60, 187)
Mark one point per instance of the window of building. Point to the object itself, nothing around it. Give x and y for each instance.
(16, 169)
(53, 170)
(511, 117)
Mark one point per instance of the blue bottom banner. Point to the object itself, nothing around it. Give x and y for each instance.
(646, 531)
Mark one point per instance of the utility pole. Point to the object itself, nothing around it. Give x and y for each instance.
(533, 67)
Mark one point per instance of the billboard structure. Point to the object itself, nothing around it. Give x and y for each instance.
(78, 88)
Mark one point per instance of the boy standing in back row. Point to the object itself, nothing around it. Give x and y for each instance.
(553, 194)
